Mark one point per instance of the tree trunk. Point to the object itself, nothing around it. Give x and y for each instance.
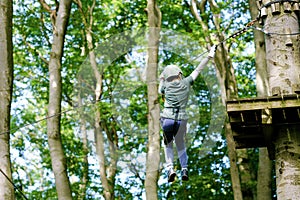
(108, 192)
(247, 174)
(107, 171)
(6, 87)
(283, 56)
(225, 73)
(283, 63)
(54, 108)
(264, 173)
(153, 153)
(85, 170)
(228, 85)
(234, 171)
(287, 162)
(262, 84)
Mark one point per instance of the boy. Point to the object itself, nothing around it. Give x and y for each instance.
(175, 89)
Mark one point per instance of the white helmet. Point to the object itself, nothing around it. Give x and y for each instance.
(171, 70)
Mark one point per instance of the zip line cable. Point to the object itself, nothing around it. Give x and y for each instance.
(48, 117)
(17, 188)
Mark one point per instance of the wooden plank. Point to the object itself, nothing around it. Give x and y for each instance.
(254, 120)
(269, 98)
(242, 106)
(245, 117)
(263, 103)
(265, 116)
(251, 131)
(286, 115)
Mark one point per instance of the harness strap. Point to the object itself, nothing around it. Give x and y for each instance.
(176, 112)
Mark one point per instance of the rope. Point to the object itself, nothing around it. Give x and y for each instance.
(13, 184)
(240, 32)
(270, 33)
(245, 29)
(48, 117)
(234, 35)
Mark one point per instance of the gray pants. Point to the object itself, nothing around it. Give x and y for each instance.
(174, 131)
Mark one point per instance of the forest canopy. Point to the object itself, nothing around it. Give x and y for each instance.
(103, 105)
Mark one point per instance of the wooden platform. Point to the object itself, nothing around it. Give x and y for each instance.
(253, 120)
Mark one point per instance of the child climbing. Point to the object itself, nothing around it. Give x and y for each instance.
(175, 89)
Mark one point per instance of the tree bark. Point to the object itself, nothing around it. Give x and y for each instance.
(234, 171)
(283, 62)
(264, 173)
(100, 150)
(283, 54)
(229, 90)
(6, 88)
(54, 108)
(287, 148)
(262, 83)
(107, 170)
(85, 170)
(153, 152)
(226, 77)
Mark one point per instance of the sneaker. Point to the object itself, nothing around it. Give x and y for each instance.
(171, 175)
(184, 175)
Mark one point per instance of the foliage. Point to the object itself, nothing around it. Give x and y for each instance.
(138, 106)
(245, 74)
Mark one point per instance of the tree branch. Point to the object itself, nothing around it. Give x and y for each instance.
(45, 6)
(53, 13)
